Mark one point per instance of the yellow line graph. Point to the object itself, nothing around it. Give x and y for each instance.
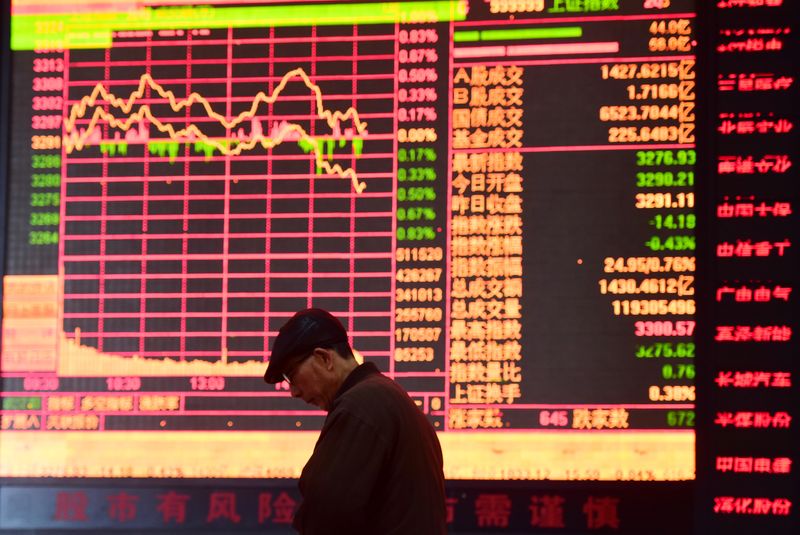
(100, 93)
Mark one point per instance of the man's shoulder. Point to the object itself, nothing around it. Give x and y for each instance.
(375, 384)
(374, 395)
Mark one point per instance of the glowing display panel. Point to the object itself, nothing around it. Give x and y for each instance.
(496, 198)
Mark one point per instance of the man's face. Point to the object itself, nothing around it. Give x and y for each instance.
(312, 380)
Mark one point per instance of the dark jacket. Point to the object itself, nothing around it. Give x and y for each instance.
(377, 465)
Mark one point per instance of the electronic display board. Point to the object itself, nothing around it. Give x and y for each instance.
(498, 198)
(500, 209)
(747, 442)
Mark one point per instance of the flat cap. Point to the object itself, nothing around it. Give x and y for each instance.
(306, 330)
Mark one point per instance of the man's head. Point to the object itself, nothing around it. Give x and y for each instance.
(312, 354)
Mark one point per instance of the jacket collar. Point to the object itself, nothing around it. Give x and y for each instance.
(356, 376)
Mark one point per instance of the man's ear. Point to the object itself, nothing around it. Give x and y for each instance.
(326, 357)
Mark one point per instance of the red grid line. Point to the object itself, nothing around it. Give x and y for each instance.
(240, 157)
(243, 178)
(237, 256)
(208, 197)
(291, 98)
(223, 235)
(238, 80)
(236, 61)
(172, 276)
(155, 314)
(88, 333)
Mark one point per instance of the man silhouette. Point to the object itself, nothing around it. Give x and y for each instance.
(377, 465)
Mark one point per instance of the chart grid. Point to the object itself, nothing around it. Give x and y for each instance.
(258, 195)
